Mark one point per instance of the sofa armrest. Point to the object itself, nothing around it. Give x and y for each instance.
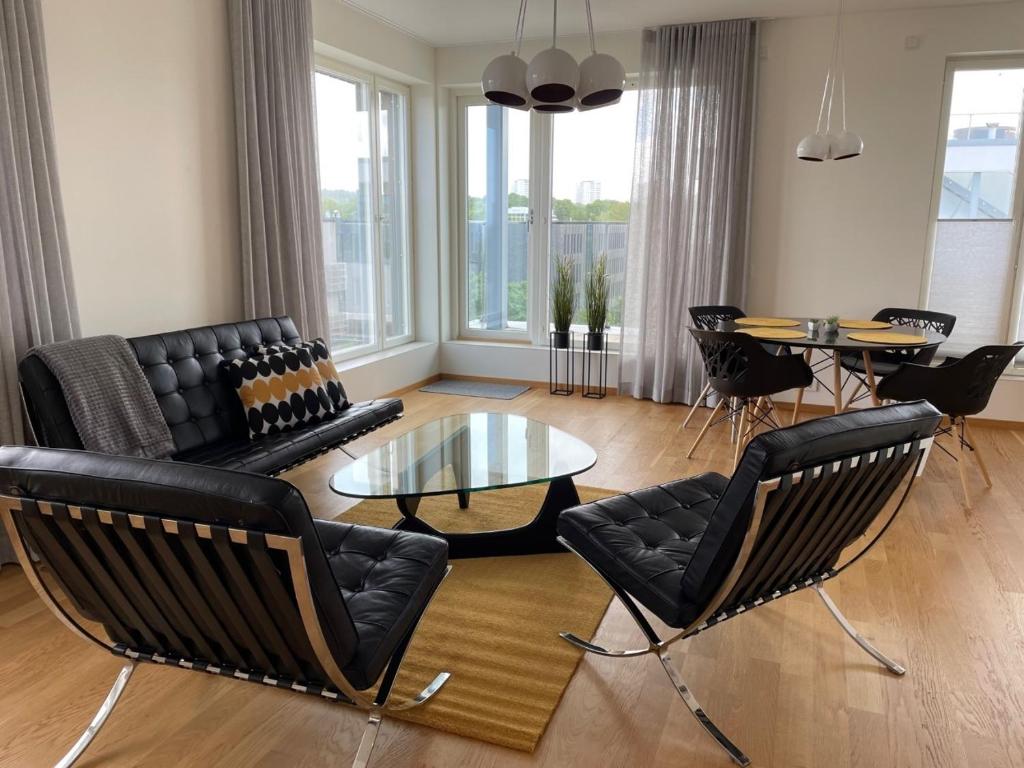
(47, 409)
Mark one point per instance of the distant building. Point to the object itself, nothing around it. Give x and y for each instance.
(587, 191)
(521, 187)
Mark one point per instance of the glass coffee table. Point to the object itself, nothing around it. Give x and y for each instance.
(467, 453)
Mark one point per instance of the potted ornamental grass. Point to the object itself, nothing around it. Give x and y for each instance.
(597, 304)
(563, 301)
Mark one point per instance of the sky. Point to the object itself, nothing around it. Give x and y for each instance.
(990, 95)
(595, 145)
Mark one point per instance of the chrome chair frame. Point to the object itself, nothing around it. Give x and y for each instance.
(377, 706)
(718, 609)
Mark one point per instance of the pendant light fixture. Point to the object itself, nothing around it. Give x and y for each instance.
(824, 144)
(553, 82)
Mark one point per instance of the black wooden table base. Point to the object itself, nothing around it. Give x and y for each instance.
(534, 538)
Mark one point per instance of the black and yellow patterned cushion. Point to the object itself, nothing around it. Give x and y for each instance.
(325, 365)
(280, 391)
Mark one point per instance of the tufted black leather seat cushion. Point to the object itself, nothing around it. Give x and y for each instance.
(272, 453)
(644, 539)
(385, 577)
(200, 406)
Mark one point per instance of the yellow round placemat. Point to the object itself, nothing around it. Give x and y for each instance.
(774, 333)
(865, 325)
(771, 322)
(888, 337)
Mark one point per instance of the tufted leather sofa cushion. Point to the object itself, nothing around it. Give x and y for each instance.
(386, 578)
(273, 453)
(644, 540)
(183, 368)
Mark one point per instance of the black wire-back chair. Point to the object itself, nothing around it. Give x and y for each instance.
(745, 376)
(885, 362)
(220, 572)
(706, 318)
(804, 504)
(959, 387)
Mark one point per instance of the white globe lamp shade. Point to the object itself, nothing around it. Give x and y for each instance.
(562, 106)
(813, 147)
(504, 81)
(583, 108)
(552, 76)
(846, 144)
(602, 79)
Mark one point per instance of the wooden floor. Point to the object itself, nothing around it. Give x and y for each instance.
(943, 593)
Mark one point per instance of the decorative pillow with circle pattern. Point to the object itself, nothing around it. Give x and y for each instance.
(324, 364)
(279, 391)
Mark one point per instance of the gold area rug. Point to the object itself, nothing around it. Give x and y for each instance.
(494, 623)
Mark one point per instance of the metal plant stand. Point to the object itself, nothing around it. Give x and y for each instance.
(594, 381)
(556, 386)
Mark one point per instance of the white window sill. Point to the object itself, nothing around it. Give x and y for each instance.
(352, 363)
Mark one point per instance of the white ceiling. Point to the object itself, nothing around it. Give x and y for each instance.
(459, 22)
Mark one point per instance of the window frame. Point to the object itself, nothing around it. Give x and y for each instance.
(1011, 322)
(375, 84)
(538, 316)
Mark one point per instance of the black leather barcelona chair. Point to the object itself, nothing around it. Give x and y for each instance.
(218, 571)
(959, 387)
(804, 504)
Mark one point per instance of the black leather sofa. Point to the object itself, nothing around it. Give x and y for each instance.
(201, 408)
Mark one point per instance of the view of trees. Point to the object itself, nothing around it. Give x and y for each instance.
(340, 204)
(564, 210)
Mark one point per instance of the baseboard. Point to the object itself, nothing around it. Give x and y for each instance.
(411, 387)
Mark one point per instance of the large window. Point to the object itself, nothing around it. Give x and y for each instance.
(362, 137)
(533, 188)
(976, 237)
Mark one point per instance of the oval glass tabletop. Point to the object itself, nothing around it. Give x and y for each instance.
(837, 341)
(464, 453)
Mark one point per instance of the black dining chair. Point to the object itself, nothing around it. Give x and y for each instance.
(885, 362)
(221, 572)
(959, 387)
(707, 317)
(804, 504)
(745, 376)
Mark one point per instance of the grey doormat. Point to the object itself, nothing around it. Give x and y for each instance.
(475, 389)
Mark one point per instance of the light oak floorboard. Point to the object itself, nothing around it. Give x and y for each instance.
(943, 593)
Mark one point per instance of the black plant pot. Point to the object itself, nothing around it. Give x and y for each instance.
(560, 339)
(595, 341)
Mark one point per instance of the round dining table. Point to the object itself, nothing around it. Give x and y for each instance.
(833, 346)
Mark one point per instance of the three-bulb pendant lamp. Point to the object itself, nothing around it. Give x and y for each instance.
(823, 144)
(553, 81)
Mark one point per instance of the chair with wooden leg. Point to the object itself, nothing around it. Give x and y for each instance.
(707, 317)
(867, 367)
(959, 387)
(745, 376)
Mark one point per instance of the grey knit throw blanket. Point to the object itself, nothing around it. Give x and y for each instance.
(111, 403)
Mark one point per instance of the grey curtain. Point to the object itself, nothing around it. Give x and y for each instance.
(279, 197)
(37, 296)
(689, 215)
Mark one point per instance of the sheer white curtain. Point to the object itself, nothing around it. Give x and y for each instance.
(279, 193)
(688, 223)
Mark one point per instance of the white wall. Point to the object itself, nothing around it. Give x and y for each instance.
(144, 120)
(850, 237)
